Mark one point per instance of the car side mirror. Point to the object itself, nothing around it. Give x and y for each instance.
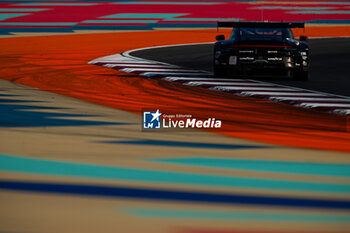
(303, 38)
(220, 37)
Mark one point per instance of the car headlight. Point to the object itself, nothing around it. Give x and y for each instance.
(288, 59)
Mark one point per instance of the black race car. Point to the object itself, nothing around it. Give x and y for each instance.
(261, 49)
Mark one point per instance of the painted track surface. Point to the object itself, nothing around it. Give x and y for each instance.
(295, 125)
(68, 165)
(78, 16)
(81, 80)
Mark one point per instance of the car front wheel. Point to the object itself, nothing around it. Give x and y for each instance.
(218, 71)
(301, 75)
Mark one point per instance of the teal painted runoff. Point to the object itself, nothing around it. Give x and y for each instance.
(121, 21)
(170, 3)
(201, 19)
(143, 16)
(301, 168)
(320, 12)
(70, 169)
(225, 215)
(21, 9)
(292, 8)
(4, 16)
(37, 24)
(56, 4)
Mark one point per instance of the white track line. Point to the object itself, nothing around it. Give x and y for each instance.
(327, 105)
(311, 99)
(139, 65)
(342, 111)
(150, 74)
(296, 93)
(231, 88)
(120, 58)
(171, 78)
(125, 61)
(130, 70)
(199, 83)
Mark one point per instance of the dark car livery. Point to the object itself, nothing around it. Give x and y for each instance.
(261, 49)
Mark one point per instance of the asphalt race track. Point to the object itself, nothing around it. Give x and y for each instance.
(329, 63)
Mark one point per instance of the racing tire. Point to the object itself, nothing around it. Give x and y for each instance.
(218, 71)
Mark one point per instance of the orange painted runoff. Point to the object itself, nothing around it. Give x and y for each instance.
(59, 64)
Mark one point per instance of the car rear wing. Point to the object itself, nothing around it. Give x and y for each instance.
(260, 25)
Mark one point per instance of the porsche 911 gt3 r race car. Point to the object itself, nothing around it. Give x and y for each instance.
(261, 49)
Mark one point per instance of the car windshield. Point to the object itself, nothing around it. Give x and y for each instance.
(264, 33)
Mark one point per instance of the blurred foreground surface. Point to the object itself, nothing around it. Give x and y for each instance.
(67, 165)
